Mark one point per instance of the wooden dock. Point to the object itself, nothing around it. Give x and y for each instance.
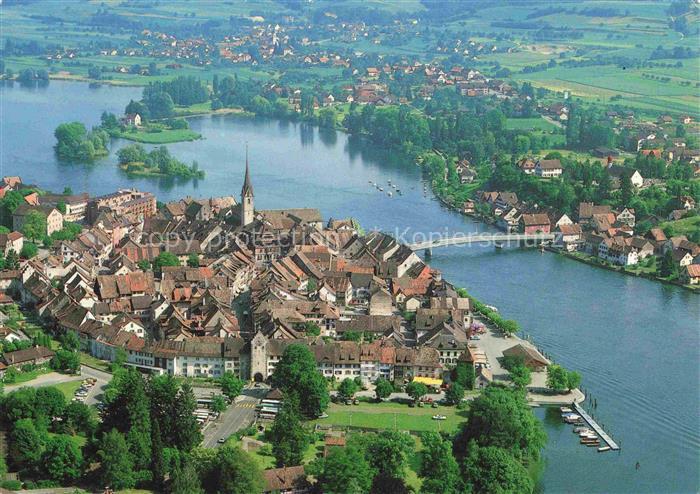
(594, 425)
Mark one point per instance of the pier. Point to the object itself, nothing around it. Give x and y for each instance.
(594, 425)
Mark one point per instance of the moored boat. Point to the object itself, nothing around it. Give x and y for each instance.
(603, 449)
(566, 410)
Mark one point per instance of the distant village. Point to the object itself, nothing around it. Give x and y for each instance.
(366, 305)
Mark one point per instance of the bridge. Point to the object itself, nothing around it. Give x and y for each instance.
(485, 238)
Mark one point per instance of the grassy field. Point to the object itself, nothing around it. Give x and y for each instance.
(535, 123)
(393, 416)
(686, 226)
(93, 362)
(163, 137)
(68, 388)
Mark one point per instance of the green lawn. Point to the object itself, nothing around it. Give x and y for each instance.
(393, 416)
(686, 226)
(163, 137)
(93, 362)
(68, 388)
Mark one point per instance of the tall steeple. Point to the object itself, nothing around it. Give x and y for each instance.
(247, 197)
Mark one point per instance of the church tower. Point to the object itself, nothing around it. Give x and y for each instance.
(247, 207)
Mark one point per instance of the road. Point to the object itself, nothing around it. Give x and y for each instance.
(239, 415)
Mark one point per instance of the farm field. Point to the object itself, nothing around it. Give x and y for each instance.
(601, 83)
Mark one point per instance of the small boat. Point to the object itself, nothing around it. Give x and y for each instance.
(381, 189)
(498, 245)
(581, 429)
(593, 445)
(389, 181)
(590, 441)
(603, 449)
(493, 308)
(565, 410)
(389, 194)
(369, 181)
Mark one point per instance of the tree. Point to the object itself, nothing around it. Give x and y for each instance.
(28, 251)
(78, 416)
(230, 385)
(218, 404)
(157, 461)
(160, 105)
(501, 417)
(464, 374)
(288, 437)
(668, 267)
(383, 388)
(312, 329)
(626, 189)
(26, 445)
(343, 471)
(185, 480)
(165, 259)
(186, 426)
(520, 375)
(454, 394)
(19, 404)
(66, 361)
(70, 340)
(234, 472)
(193, 260)
(416, 390)
(387, 453)
(557, 378)
(50, 402)
(63, 459)
(129, 412)
(347, 389)
(296, 374)
(574, 379)
(34, 226)
(144, 264)
(494, 470)
(438, 467)
(11, 260)
(116, 462)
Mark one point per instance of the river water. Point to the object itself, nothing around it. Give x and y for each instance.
(636, 342)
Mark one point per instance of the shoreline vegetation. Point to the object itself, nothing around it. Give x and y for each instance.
(135, 160)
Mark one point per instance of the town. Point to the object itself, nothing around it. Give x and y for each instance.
(156, 289)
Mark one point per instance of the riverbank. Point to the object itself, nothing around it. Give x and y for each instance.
(596, 262)
(590, 260)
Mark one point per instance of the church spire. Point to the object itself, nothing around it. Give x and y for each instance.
(247, 204)
(247, 184)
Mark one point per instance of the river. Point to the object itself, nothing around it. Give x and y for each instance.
(636, 342)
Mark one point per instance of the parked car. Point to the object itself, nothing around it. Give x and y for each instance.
(475, 337)
(439, 417)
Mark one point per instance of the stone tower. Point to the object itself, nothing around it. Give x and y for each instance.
(247, 198)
